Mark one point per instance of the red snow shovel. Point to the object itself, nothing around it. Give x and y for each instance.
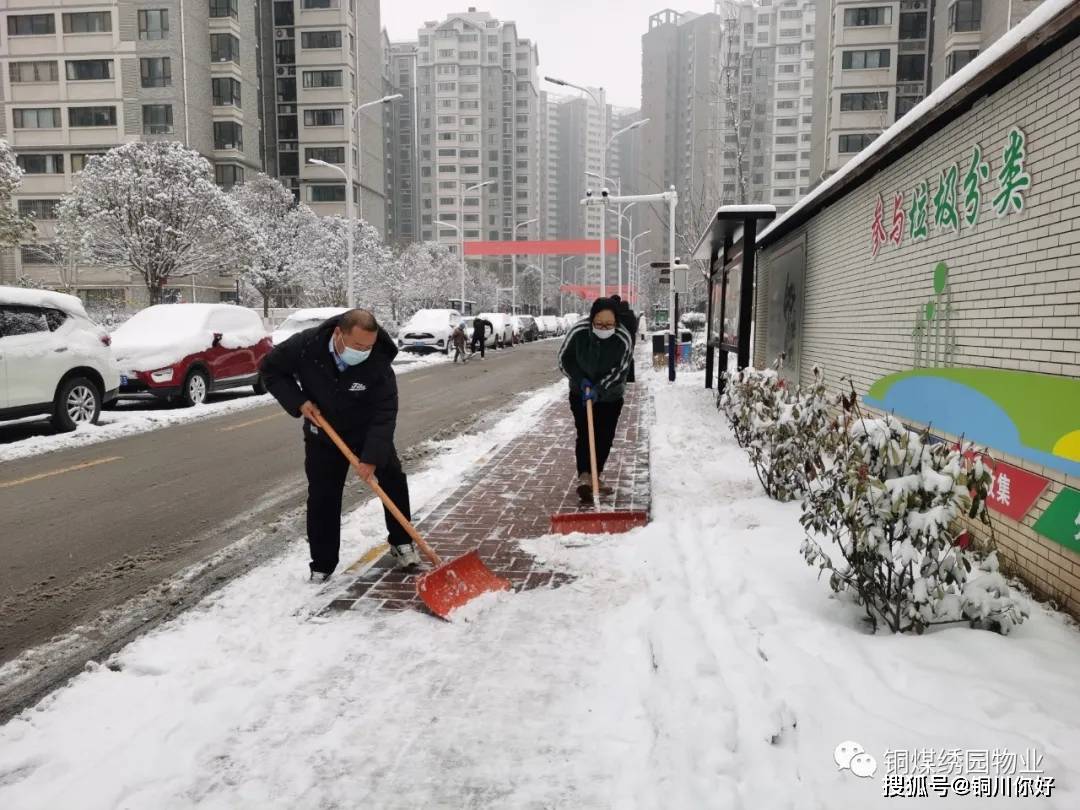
(596, 522)
(448, 585)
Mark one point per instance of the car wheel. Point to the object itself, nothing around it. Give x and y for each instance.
(196, 388)
(78, 402)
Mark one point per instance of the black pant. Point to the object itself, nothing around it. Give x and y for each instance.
(326, 470)
(605, 421)
(478, 340)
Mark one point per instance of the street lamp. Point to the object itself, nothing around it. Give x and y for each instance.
(513, 259)
(350, 296)
(562, 270)
(603, 227)
(461, 233)
(637, 272)
(461, 230)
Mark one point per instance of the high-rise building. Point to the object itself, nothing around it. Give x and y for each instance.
(878, 61)
(326, 59)
(79, 79)
(400, 122)
(478, 133)
(728, 95)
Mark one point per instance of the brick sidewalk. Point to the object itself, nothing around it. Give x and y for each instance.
(513, 496)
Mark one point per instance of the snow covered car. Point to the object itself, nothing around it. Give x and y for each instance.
(548, 325)
(504, 330)
(183, 352)
(429, 330)
(525, 329)
(303, 319)
(53, 359)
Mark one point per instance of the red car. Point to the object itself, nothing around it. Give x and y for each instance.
(184, 352)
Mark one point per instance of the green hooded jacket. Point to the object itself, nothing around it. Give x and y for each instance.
(606, 362)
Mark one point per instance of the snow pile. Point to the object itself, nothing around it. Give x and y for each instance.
(431, 321)
(691, 664)
(165, 334)
(983, 63)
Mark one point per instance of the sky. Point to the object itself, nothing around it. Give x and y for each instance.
(565, 32)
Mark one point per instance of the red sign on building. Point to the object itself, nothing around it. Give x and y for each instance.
(1012, 491)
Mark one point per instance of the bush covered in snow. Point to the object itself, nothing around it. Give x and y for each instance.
(787, 431)
(891, 502)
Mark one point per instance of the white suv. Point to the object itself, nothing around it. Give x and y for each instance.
(53, 359)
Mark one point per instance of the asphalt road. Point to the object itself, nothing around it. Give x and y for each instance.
(85, 529)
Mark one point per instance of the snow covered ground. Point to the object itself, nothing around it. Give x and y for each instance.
(135, 416)
(694, 663)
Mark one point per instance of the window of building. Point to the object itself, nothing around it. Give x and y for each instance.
(325, 194)
(446, 87)
(788, 104)
(787, 69)
(79, 160)
(855, 143)
(285, 51)
(38, 209)
(289, 165)
(26, 25)
(860, 102)
(284, 13)
(785, 122)
(911, 67)
(324, 118)
(873, 15)
(286, 90)
(225, 8)
(156, 71)
(965, 15)
(956, 60)
(785, 140)
(226, 92)
(904, 104)
(865, 60)
(229, 135)
(87, 70)
(41, 164)
(103, 116)
(328, 154)
(785, 157)
(310, 40)
(317, 4)
(913, 25)
(228, 175)
(157, 119)
(322, 78)
(224, 48)
(154, 23)
(87, 22)
(42, 118)
(33, 72)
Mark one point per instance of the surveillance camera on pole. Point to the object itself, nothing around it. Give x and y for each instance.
(604, 192)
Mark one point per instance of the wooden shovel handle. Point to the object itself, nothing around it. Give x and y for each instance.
(429, 552)
(592, 452)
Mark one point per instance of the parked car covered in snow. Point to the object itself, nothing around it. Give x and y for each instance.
(304, 319)
(183, 352)
(504, 329)
(429, 330)
(548, 325)
(525, 329)
(53, 359)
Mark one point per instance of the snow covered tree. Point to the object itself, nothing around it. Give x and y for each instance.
(12, 226)
(891, 503)
(154, 207)
(275, 261)
(327, 251)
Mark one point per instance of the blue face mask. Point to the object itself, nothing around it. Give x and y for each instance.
(350, 356)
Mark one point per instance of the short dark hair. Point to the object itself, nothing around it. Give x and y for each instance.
(355, 318)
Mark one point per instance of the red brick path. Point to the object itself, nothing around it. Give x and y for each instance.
(513, 496)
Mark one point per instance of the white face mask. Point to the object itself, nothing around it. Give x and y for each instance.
(603, 334)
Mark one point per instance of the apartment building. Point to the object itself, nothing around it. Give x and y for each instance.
(880, 59)
(478, 133)
(325, 61)
(400, 122)
(78, 77)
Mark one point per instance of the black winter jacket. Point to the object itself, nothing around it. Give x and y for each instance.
(480, 327)
(360, 403)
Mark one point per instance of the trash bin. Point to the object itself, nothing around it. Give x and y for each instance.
(684, 352)
(659, 343)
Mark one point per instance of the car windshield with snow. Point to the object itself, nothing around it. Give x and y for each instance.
(183, 352)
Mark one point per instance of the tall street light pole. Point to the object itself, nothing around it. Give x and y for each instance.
(461, 233)
(513, 264)
(562, 270)
(637, 272)
(461, 230)
(347, 173)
